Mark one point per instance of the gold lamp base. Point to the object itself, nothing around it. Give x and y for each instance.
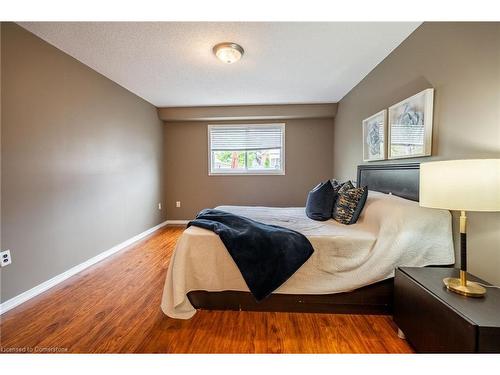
(464, 287)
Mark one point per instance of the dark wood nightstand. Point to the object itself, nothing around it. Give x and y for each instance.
(435, 320)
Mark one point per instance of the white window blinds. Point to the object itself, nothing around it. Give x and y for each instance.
(246, 149)
(246, 137)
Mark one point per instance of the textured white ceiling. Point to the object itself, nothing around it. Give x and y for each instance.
(171, 63)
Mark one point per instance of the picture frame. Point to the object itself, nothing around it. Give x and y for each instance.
(410, 126)
(374, 136)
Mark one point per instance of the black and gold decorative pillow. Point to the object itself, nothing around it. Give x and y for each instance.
(336, 185)
(345, 187)
(336, 189)
(350, 203)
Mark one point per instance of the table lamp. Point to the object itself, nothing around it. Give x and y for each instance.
(462, 185)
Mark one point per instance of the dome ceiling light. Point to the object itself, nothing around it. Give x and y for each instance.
(228, 52)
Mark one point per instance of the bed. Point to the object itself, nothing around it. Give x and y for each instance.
(351, 269)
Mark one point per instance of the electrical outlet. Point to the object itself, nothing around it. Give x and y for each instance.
(178, 204)
(5, 258)
(159, 206)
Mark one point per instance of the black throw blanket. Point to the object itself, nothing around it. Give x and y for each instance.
(266, 255)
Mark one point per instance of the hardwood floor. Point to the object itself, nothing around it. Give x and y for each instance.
(114, 307)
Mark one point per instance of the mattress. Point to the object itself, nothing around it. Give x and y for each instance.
(390, 232)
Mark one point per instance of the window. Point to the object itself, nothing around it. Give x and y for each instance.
(246, 149)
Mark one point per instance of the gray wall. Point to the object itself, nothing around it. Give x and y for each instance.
(308, 161)
(248, 112)
(81, 162)
(0, 149)
(462, 62)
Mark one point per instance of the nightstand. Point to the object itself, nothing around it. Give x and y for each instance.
(435, 320)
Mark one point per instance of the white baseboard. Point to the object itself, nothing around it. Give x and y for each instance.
(177, 222)
(25, 296)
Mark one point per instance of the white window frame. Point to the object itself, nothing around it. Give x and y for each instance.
(247, 172)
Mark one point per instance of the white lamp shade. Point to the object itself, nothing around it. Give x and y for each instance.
(464, 185)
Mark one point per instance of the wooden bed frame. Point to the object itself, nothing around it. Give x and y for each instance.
(398, 179)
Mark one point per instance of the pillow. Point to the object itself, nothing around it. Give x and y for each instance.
(350, 203)
(345, 187)
(320, 201)
(336, 185)
(336, 188)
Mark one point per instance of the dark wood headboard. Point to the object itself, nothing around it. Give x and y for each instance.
(399, 179)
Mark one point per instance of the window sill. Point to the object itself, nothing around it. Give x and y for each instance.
(281, 173)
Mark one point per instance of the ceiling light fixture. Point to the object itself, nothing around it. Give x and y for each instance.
(228, 52)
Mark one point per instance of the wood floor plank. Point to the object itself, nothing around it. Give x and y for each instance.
(114, 307)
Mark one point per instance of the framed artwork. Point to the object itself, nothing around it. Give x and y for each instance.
(374, 136)
(410, 126)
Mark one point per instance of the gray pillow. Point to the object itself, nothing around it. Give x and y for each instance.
(320, 201)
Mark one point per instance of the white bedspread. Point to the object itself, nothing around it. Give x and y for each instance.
(390, 232)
